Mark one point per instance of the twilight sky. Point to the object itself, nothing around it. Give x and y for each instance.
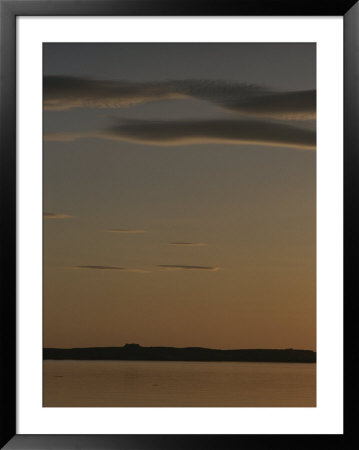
(180, 195)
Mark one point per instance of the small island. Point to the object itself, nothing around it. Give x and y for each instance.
(135, 352)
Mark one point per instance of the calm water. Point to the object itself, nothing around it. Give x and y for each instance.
(157, 383)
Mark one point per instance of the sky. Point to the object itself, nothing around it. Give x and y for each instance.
(180, 195)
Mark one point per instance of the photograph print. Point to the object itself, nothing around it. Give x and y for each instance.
(179, 225)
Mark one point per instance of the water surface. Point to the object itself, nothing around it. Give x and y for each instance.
(178, 384)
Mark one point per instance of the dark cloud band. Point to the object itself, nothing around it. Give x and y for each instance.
(62, 93)
(211, 131)
(201, 131)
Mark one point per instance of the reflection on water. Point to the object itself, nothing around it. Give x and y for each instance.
(172, 384)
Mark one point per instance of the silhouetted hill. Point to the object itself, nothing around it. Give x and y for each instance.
(134, 352)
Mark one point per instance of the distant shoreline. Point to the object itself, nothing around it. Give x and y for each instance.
(135, 352)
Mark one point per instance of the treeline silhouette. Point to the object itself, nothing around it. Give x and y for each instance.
(135, 352)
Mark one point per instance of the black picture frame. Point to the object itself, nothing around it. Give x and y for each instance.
(9, 10)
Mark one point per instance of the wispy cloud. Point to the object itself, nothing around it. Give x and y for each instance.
(121, 269)
(182, 132)
(125, 231)
(67, 137)
(188, 244)
(71, 137)
(62, 93)
(181, 267)
(48, 215)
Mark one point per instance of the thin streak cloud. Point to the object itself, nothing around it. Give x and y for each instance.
(188, 244)
(181, 267)
(125, 231)
(61, 93)
(121, 269)
(177, 132)
(48, 215)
